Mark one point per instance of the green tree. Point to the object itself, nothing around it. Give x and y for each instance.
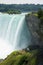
(40, 13)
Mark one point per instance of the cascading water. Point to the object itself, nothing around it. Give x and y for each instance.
(20, 24)
(9, 27)
(14, 34)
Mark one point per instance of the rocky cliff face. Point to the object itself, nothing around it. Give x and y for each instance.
(33, 25)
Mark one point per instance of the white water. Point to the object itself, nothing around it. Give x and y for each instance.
(9, 26)
(14, 34)
(20, 24)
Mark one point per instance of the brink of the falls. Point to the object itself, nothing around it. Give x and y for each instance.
(14, 33)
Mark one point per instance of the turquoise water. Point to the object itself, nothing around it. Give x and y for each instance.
(14, 33)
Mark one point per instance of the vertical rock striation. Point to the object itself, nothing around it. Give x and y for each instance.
(33, 25)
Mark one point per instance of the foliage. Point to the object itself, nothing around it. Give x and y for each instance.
(19, 7)
(12, 12)
(40, 13)
(20, 58)
(40, 31)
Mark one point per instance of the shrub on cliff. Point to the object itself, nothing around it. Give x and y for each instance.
(40, 13)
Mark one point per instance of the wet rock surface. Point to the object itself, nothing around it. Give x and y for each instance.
(36, 42)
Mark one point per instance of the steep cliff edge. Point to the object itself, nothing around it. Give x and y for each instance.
(33, 23)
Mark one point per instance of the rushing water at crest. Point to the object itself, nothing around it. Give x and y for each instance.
(14, 33)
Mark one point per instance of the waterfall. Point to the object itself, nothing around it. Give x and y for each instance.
(14, 33)
(9, 26)
(20, 24)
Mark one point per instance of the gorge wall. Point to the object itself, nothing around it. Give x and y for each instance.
(33, 25)
(36, 41)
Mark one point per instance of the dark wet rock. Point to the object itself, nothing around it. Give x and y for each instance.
(33, 25)
(36, 41)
